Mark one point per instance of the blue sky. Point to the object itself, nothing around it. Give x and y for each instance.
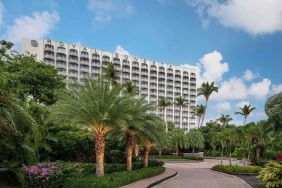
(236, 43)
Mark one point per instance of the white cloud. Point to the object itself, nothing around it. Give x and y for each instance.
(1, 13)
(231, 89)
(276, 88)
(212, 66)
(249, 75)
(224, 106)
(252, 16)
(121, 50)
(242, 104)
(260, 89)
(106, 10)
(36, 26)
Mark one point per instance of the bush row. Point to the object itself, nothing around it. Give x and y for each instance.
(237, 169)
(116, 179)
(55, 174)
(174, 157)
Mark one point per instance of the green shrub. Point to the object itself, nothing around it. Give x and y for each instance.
(194, 158)
(174, 157)
(237, 169)
(113, 180)
(117, 156)
(271, 175)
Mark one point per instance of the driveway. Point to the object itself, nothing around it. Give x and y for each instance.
(199, 175)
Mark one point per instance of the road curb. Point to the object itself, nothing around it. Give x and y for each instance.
(161, 180)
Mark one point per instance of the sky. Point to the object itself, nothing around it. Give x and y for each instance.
(237, 44)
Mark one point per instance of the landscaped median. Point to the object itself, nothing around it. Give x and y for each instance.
(68, 174)
(237, 170)
(176, 158)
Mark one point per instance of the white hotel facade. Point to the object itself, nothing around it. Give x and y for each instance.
(154, 79)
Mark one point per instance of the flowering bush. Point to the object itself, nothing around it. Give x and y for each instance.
(42, 174)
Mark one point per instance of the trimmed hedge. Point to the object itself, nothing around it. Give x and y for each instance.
(116, 179)
(237, 169)
(174, 157)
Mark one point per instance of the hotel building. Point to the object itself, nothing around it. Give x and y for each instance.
(154, 79)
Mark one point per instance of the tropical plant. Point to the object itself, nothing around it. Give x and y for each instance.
(206, 90)
(181, 102)
(110, 74)
(97, 107)
(195, 140)
(273, 109)
(231, 137)
(164, 103)
(224, 120)
(198, 111)
(130, 89)
(271, 175)
(246, 110)
(218, 138)
(177, 139)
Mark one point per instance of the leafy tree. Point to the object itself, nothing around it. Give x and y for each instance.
(164, 103)
(195, 139)
(218, 138)
(97, 107)
(224, 120)
(245, 112)
(177, 139)
(199, 111)
(181, 102)
(231, 137)
(206, 90)
(273, 109)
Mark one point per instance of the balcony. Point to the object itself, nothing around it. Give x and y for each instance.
(49, 48)
(135, 77)
(135, 64)
(169, 71)
(73, 67)
(144, 66)
(73, 53)
(153, 67)
(61, 65)
(153, 81)
(126, 76)
(84, 62)
(144, 73)
(135, 71)
(62, 73)
(96, 58)
(84, 55)
(49, 56)
(73, 74)
(84, 69)
(144, 78)
(61, 58)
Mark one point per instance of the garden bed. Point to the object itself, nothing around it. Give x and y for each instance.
(238, 170)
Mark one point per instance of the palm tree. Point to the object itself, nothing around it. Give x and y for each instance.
(219, 138)
(164, 103)
(98, 108)
(130, 89)
(18, 132)
(151, 135)
(198, 111)
(245, 112)
(195, 139)
(181, 102)
(206, 90)
(231, 136)
(136, 126)
(110, 74)
(224, 119)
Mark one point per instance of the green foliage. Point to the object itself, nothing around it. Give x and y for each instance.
(175, 157)
(271, 175)
(195, 139)
(113, 180)
(177, 139)
(273, 109)
(237, 169)
(117, 156)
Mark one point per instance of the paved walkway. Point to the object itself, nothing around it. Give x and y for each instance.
(199, 175)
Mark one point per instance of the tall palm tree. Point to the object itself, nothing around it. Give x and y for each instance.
(97, 107)
(198, 111)
(245, 112)
(177, 139)
(181, 102)
(136, 126)
(164, 103)
(224, 119)
(206, 90)
(110, 74)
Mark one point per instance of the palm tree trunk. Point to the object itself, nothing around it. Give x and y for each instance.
(245, 120)
(258, 152)
(146, 156)
(230, 155)
(181, 117)
(176, 148)
(160, 152)
(100, 153)
(166, 128)
(221, 156)
(136, 151)
(193, 151)
(129, 151)
(204, 113)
